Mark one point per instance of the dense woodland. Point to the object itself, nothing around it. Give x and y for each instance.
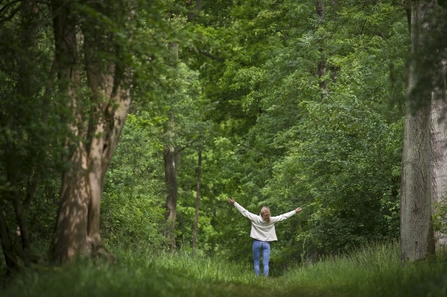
(127, 124)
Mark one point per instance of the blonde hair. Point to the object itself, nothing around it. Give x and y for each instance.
(265, 214)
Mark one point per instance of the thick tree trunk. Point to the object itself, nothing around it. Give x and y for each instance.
(110, 87)
(415, 205)
(438, 138)
(69, 238)
(70, 235)
(77, 229)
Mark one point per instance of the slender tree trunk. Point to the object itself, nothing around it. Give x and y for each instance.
(321, 70)
(171, 159)
(12, 265)
(21, 241)
(415, 204)
(23, 233)
(196, 216)
(171, 153)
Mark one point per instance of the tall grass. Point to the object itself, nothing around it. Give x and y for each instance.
(139, 274)
(371, 271)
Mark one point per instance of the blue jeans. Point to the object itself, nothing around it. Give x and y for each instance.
(264, 247)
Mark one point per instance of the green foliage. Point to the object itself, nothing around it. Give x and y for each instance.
(32, 125)
(344, 167)
(245, 91)
(35, 116)
(131, 211)
(285, 142)
(373, 271)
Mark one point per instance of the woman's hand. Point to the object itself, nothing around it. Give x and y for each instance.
(231, 201)
(298, 210)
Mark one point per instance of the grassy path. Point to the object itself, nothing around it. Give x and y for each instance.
(374, 271)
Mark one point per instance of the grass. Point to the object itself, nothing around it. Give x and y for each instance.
(371, 271)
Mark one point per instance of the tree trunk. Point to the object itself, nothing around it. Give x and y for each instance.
(172, 152)
(171, 158)
(77, 228)
(23, 233)
(70, 235)
(171, 161)
(415, 204)
(69, 238)
(196, 216)
(21, 241)
(321, 70)
(12, 265)
(438, 138)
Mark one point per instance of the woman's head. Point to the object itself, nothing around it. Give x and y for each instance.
(265, 214)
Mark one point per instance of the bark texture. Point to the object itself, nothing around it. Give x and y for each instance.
(438, 138)
(92, 145)
(415, 202)
(171, 160)
(416, 232)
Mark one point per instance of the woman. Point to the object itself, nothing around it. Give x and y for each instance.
(262, 231)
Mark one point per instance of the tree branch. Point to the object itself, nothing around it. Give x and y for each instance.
(12, 14)
(216, 58)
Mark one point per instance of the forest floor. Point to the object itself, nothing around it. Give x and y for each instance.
(374, 271)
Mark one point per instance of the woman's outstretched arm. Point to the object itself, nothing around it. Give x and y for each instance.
(253, 217)
(285, 216)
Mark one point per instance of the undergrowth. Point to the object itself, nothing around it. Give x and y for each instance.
(370, 271)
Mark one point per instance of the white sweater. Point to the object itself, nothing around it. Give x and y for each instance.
(260, 229)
